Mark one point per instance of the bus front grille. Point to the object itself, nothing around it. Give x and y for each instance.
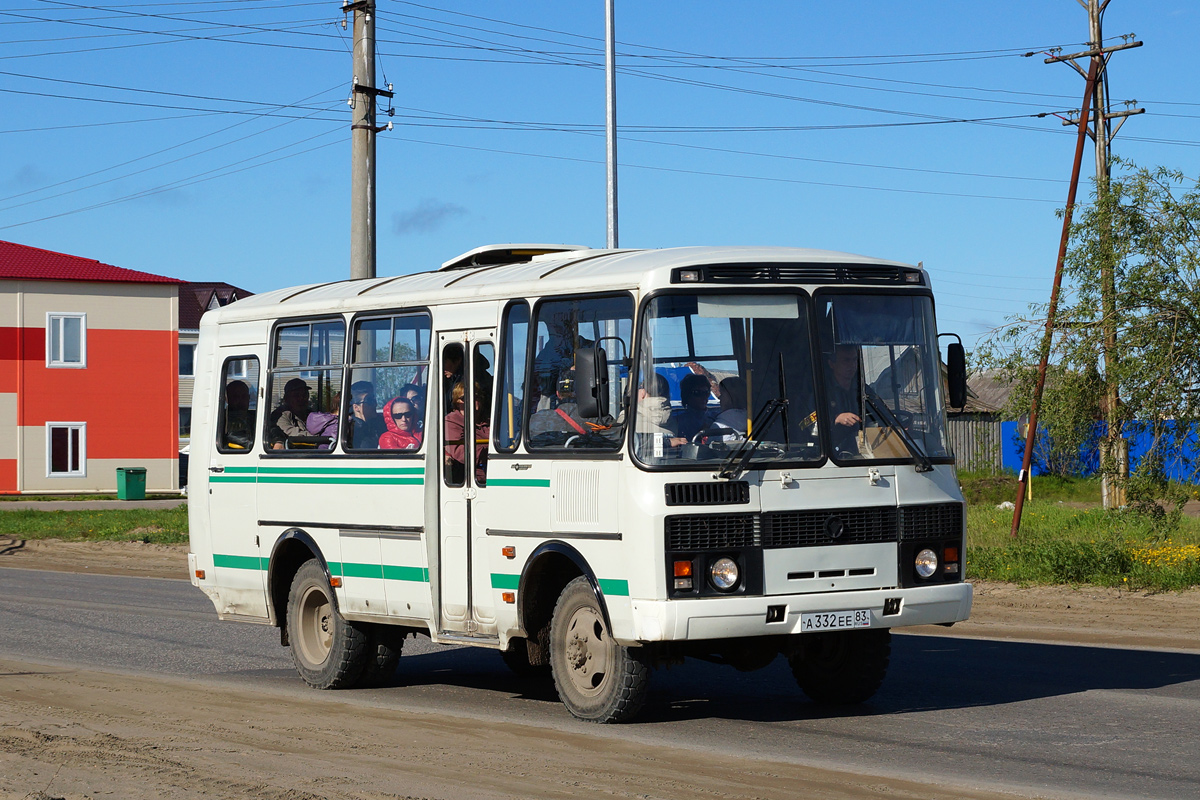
(712, 531)
(940, 520)
(816, 527)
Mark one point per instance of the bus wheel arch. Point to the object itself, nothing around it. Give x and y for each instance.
(291, 550)
(547, 571)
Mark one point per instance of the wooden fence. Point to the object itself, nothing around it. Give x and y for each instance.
(976, 443)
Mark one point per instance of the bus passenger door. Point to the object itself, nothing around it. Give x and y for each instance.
(467, 363)
(232, 486)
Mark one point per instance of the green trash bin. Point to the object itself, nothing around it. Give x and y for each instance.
(131, 483)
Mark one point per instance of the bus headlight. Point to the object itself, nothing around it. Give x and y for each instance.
(926, 563)
(724, 574)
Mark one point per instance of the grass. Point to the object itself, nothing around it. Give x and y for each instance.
(986, 488)
(22, 498)
(151, 525)
(1062, 544)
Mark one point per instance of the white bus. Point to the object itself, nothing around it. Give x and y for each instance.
(596, 462)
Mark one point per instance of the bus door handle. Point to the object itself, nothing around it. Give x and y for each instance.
(520, 467)
(216, 469)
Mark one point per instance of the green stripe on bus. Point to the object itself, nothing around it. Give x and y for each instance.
(502, 581)
(617, 588)
(241, 469)
(239, 562)
(540, 482)
(233, 479)
(413, 574)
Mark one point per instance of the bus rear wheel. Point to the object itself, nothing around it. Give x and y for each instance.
(329, 652)
(841, 667)
(597, 679)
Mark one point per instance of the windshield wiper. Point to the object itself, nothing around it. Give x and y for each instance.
(735, 465)
(885, 414)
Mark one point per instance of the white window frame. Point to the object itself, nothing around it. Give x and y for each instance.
(82, 471)
(53, 359)
(191, 374)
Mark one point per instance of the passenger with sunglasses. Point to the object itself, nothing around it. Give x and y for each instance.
(400, 417)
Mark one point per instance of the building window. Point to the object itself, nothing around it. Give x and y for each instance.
(66, 340)
(187, 360)
(185, 421)
(66, 449)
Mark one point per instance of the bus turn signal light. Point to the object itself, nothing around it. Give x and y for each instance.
(200, 574)
(508, 552)
(683, 569)
(508, 597)
(335, 582)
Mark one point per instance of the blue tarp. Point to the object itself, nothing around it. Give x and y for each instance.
(1139, 442)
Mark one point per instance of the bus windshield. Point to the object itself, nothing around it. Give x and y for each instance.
(716, 370)
(882, 377)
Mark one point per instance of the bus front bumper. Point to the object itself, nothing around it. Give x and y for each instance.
(733, 617)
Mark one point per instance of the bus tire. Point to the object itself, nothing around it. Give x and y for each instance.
(329, 652)
(597, 679)
(384, 645)
(842, 667)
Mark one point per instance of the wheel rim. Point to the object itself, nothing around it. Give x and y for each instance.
(588, 652)
(316, 626)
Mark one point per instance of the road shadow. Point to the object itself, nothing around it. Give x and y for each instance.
(10, 545)
(927, 673)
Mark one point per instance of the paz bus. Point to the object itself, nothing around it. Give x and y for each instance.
(596, 462)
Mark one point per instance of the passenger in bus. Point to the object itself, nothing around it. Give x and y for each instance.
(845, 404)
(239, 421)
(733, 407)
(556, 425)
(455, 430)
(695, 415)
(452, 374)
(655, 427)
(289, 418)
(325, 423)
(400, 417)
(415, 394)
(366, 424)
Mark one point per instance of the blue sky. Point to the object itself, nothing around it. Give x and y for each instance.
(210, 140)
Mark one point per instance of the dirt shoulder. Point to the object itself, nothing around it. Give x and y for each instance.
(68, 734)
(1083, 615)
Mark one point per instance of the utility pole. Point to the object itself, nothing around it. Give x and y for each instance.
(1114, 449)
(610, 120)
(362, 134)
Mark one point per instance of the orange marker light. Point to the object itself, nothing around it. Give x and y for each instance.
(951, 554)
(508, 552)
(200, 574)
(335, 582)
(508, 597)
(683, 569)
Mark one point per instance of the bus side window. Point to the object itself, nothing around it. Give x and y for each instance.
(239, 405)
(454, 456)
(511, 397)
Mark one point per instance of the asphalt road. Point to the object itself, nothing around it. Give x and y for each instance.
(1060, 720)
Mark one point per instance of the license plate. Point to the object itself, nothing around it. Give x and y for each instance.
(835, 620)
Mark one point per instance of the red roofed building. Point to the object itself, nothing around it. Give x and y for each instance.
(194, 300)
(88, 374)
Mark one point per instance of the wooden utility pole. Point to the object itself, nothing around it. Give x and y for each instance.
(363, 132)
(1114, 449)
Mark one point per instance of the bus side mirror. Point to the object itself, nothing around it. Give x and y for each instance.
(591, 382)
(956, 374)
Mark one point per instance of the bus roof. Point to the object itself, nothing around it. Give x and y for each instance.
(571, 271)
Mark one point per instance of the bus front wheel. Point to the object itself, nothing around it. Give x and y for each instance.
(328, 651)
(842, 667)
(597, 679)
